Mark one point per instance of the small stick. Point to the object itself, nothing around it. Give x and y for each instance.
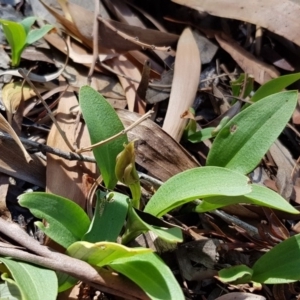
(137, 122)
(62, 133)
(157, 85)
(134, 40)
(95, 42)
(48, 149)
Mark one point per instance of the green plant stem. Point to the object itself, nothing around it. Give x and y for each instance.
(135, 194)
(129, 236)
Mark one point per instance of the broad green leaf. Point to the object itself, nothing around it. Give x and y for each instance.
(260, 195)
(102, 122)
(35, 283)
(245, 139)
(109, 217)
(240, 85)
(150, 273)
(236, 274)
(9, 290)
(65, 281)
(281, 264)
(16, 37)
(275, 85)
(102, 253)
(201, 135)
(27, 23)
(67, 221)
(137, 224)
(196, 183)
(36, 34)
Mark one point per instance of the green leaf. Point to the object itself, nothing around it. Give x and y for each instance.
(34, 282)
(245, 139)
(275, 85)
(237, 274)
(102, 253)
(65, 281)
(281, 264)
(260, 195)
(67, 221)
(36, 34)
(150, 273)
(9, 290)
(240, 85)
(109, 217)
(27, 23)
(16, 37)
(102, 122)
(138, 222)
(201, 135)
(196, 183)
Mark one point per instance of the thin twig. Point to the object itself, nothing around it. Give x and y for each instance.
(95, 42)
(62, 133)
(48, 149)
(66, 264)
(134, 40)
(157, 85)
(137, 122)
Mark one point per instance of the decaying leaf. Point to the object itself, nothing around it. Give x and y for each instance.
(280, 17)
(261, 71)
(124, 66)
(110, 38)
(285, 164)
(185, 83)
(4, 125)
(12, 162)
(12, 94)
(64, 177)
(155, 150)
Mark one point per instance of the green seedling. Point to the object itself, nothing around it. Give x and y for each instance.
(19, 35)
(222, 182)
(27, 282)
(278, 266)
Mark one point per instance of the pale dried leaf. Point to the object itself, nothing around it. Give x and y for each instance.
(277, 16)
(261, 71)
(12, 94)
(4, 186)
(241, 296)
(156, 151)
(185, 83)
(65, 177)
(285, 164)
(12, 163)
(122, 65)
(4, 126)
(83, 21)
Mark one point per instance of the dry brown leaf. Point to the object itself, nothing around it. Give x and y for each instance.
(279, 16)
(12, 94)
(285, 164)
(4, 186)
(65, 177)
(261, 71)
(156, 151)
(122, 65)
(126, 15)
(108, 38)
(12, 163)
(185, 83)
(241, 296)
(4, 126)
